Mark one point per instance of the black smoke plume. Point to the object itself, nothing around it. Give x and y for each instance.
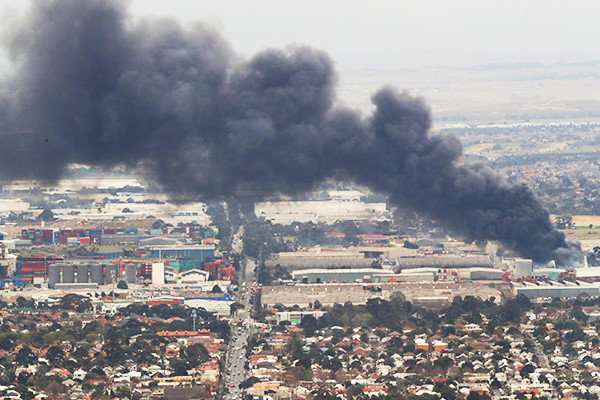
(90, 86)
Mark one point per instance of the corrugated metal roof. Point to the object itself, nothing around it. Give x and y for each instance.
(444, 261)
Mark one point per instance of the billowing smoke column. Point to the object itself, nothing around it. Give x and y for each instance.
(90, 86)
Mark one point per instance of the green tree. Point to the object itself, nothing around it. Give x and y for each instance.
(248, 383)
(158, 224)
(564, 222)
(195, 354)
(55, 355)
(180, 368)
(310, 324)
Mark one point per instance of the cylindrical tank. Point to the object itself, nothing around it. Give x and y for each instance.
(97, 274)
(53, 275)
(82, 273)
(130, 273)
(68, 275)
(110, 274)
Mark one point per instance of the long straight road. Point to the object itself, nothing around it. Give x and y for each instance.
(235, 372)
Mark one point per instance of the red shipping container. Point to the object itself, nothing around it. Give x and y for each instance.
(84, 240)
(34, 263)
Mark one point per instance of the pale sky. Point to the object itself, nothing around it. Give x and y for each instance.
(396, 34)
(391, 35)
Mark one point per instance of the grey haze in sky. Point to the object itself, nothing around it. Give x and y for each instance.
(397, 34)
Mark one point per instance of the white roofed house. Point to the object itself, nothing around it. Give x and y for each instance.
(79, 374)
(472, 328)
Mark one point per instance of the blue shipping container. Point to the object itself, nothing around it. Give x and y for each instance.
(17, 281)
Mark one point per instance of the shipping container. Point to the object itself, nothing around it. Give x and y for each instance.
(47, 235)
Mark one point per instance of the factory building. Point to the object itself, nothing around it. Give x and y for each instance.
(445, 261)
(198, 252)
(523, 268)
(588, 272)
(194, 276)
(417, 275)
(295, 317)
(316, 275)
(335, 275)
(66, 276)
(287, 212)
(220, 306)
(324, 259)
(561, 289)
(485, 274)
(548, 273)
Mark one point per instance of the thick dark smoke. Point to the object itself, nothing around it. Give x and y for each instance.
(90, 86)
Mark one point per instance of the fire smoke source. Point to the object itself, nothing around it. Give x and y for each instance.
(90, 86)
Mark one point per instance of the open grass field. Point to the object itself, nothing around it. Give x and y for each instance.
(584, 221)
(495, 150)
(582, 233)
